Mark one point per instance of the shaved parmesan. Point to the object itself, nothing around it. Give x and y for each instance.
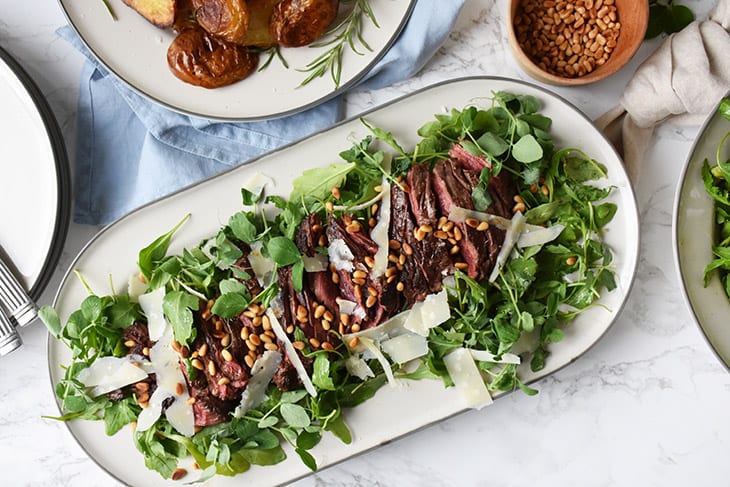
(379, 233)
(106, 374)
(166, 364)
(340, 255)
(318, 263)
(539, 236)
(371, 347)
(346, 306)
(151, 304)
(484, 356)
(153, 411)
(405, 348)
(261, 266)
(459, 215)
(357, 367)
(291, 352)
(136, 287)
(510, 239)
(261, 373)
(428, 313)
(257, 182)
(387, 329)
(467, 379)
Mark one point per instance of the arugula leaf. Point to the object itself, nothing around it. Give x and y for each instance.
(317, 183)
(178, 307)
(155, 251)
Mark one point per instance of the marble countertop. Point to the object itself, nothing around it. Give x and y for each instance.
(647, 405)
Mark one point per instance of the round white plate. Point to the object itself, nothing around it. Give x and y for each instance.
(694, 238)
(393, 412)
(34, 188)
(136, 51)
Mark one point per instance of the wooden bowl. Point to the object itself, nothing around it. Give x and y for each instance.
(633, 16)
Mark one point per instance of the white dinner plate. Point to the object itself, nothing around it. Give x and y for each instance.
(694, 238)
(34, 187)
(136, 51)
(393, 412)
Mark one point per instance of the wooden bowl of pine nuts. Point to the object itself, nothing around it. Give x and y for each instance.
(575, 42)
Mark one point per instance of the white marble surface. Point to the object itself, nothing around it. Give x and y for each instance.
(648, 405)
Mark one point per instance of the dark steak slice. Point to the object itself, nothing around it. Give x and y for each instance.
(468, 160)
(415, 280)
(208, 410)
(432, 251)
(374, 299)
(453, 186)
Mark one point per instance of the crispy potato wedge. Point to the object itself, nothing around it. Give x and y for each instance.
(159, 12)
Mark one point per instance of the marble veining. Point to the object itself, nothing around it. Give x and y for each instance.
(647, 405)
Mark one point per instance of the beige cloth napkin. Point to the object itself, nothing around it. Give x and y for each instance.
(680, 83)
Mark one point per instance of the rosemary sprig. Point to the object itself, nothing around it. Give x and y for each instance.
(109, 9)
(347, 33)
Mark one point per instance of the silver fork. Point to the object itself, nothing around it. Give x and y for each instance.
(18, 305)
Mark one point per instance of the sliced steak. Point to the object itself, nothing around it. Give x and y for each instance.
(468, 160)
(415, 281)
(137, 335)
(226, 377)
(424, 204)
(373, 302)
(453, 186)
(208, 410)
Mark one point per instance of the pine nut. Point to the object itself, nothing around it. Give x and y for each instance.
(227, 355)
(179, 473)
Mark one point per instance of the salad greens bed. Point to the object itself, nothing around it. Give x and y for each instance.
(717, 183)
(539, 291)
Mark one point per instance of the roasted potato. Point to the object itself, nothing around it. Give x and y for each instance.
(198, 58)
(159, 12)
(296, 23)
(259, 31)
(226, 19)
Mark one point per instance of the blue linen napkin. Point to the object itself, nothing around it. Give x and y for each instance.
(130, 150)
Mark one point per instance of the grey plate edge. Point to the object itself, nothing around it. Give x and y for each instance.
(675, 236)
(60, 156)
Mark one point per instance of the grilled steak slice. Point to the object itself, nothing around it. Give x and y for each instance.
(308, 235)
(424, 203)
(207, 409)
(468, 160)
(453, 186)
(294, 306)
(373, 302)
(431, 252)
(415, 281)
(243, 264)
(138, 334)
(226, 378)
